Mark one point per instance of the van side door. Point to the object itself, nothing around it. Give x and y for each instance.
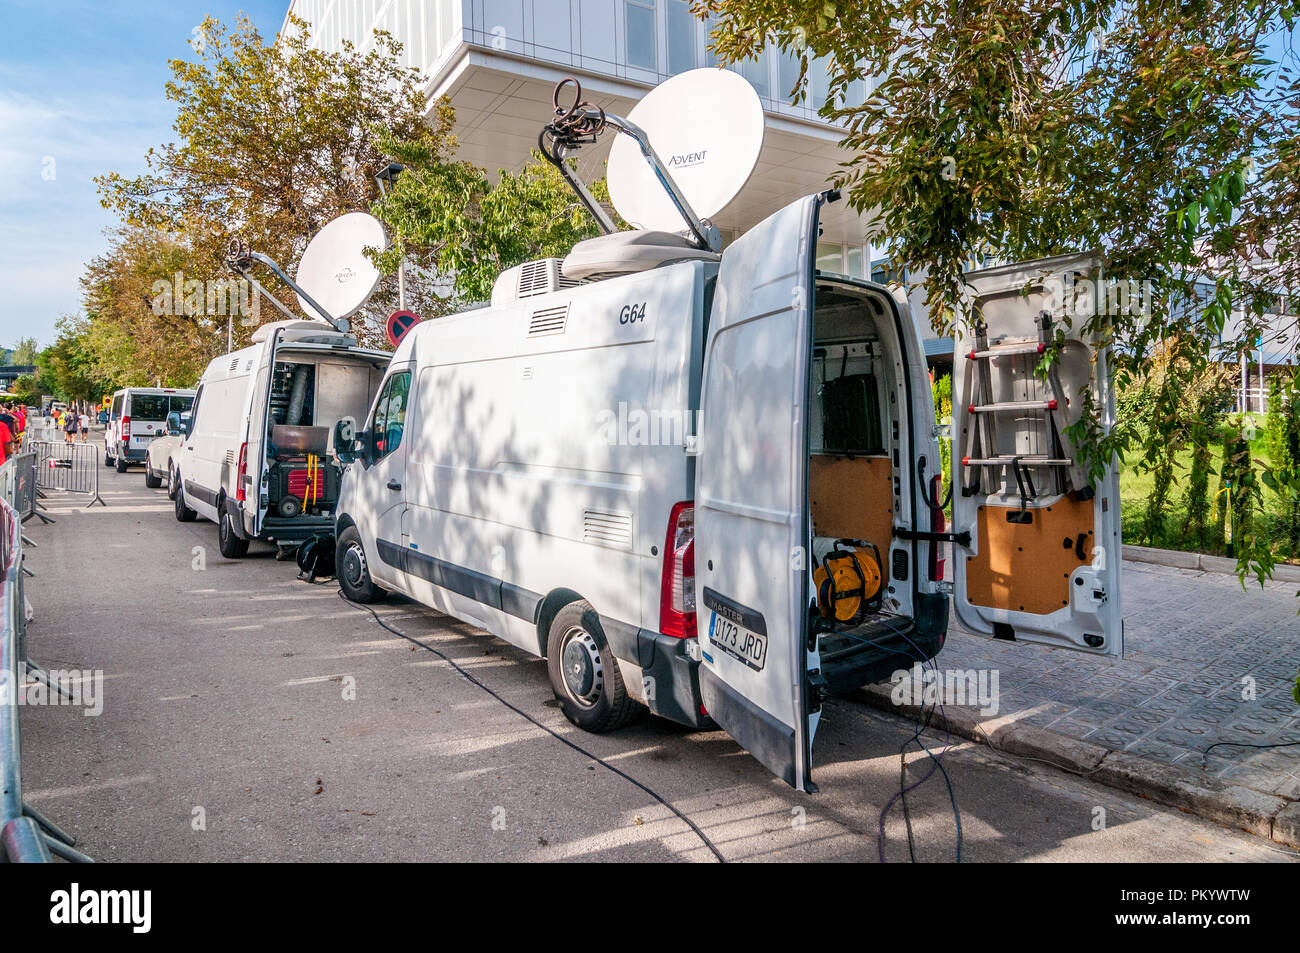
(381, 488)
(1042, 559)
(751, 499)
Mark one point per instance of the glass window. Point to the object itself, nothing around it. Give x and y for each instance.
(597, 31)
(682, 36)
(551, 21)
(640, 26)
(390, 415)
(819, 83)
(788, 71)
(757, 73)
(829, 258)
(857, 263)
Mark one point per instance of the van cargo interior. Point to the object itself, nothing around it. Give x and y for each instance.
(852, 478)
(308, 396)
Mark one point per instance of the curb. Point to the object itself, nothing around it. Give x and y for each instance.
(1192, 792)
(1177, 559)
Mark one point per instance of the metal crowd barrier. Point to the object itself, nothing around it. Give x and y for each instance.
(25, 835)
(71, 467)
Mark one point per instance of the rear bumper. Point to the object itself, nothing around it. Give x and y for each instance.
(135, 456)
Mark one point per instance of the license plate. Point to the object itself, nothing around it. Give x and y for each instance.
(738, 642)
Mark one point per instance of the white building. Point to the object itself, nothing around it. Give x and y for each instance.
(498, 62)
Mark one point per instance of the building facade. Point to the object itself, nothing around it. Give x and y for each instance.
(498, 62)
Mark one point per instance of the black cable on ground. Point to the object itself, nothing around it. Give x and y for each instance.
(1241, 744)
(550, 731)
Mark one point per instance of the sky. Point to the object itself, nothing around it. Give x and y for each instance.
(81, 94)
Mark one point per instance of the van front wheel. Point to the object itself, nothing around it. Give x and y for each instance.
(353, 571)
(584, 674)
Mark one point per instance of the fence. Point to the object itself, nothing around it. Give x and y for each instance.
(72, 467)
(26, 835)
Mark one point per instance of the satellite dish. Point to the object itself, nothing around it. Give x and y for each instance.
(706, 125)
(334, 269)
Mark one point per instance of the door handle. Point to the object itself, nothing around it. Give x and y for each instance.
(394, 485)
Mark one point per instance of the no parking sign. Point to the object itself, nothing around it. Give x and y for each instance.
(400, 322)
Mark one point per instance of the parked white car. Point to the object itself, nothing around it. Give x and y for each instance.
(159, 459)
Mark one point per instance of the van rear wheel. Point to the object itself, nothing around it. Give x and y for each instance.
(353, 571)
(150, 480)
(231, 544)
(121, 464)
(584, 674)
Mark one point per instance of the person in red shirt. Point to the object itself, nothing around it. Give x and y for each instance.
(6, 443)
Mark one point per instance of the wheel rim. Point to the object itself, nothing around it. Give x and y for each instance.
(225, 527)
(584, 675)
(354, 565)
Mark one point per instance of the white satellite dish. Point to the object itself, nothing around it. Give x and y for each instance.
(334, 269)
(706, 125)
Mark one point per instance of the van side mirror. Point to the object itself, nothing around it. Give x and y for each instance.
(174, 422)
(345, 440)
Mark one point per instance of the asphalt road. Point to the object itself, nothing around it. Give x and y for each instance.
(227, 734)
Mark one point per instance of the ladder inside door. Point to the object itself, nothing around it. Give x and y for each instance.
(1018, 444)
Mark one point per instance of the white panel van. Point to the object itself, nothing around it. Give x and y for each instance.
(644, 479)
(257, 458)
(136, 416)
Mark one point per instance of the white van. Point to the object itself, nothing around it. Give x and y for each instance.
(639, 477)
(257, 458)
(136, 415)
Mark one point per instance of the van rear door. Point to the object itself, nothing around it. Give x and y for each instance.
(1043, 559)
(257, 495)
(751, 501)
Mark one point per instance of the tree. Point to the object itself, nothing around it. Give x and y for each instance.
(24, 352)
(1156, 134)
(69, 364)
(275, 140)
(459, 229)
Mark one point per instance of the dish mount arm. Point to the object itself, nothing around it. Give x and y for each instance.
(240, 259)
(582, 124)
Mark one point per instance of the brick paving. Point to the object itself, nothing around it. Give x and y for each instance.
(1192, 639)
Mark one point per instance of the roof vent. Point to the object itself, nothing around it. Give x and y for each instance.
(530, 279)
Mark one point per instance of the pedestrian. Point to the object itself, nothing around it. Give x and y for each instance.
(70, 427)
(84, 421)
(6, 442)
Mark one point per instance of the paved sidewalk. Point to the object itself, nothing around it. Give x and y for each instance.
(1192, 639)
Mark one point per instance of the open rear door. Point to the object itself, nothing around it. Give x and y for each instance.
(1043, 560)
(751, 509)
(258, 424)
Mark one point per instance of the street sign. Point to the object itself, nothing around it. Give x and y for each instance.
(399, 322)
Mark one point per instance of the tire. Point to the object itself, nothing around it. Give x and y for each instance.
(172, 481)
(353, 571)
(151, 481)
(121, 464)
(231, 544)
(108, 461)
(584, 674)
(183, 513)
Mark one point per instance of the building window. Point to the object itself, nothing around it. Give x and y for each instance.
(830, 258)
(682, 36)
(639, 16)
(756, 72)
(857, 262)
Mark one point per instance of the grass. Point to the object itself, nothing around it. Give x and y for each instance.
(1135, 485)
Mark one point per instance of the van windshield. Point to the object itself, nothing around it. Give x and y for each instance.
(158, 406)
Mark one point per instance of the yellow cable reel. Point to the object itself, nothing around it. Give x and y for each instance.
(848, 581)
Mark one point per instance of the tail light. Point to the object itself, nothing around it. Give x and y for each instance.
(242, 477)
(677, 596)
(938, 523)
(126, 429)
